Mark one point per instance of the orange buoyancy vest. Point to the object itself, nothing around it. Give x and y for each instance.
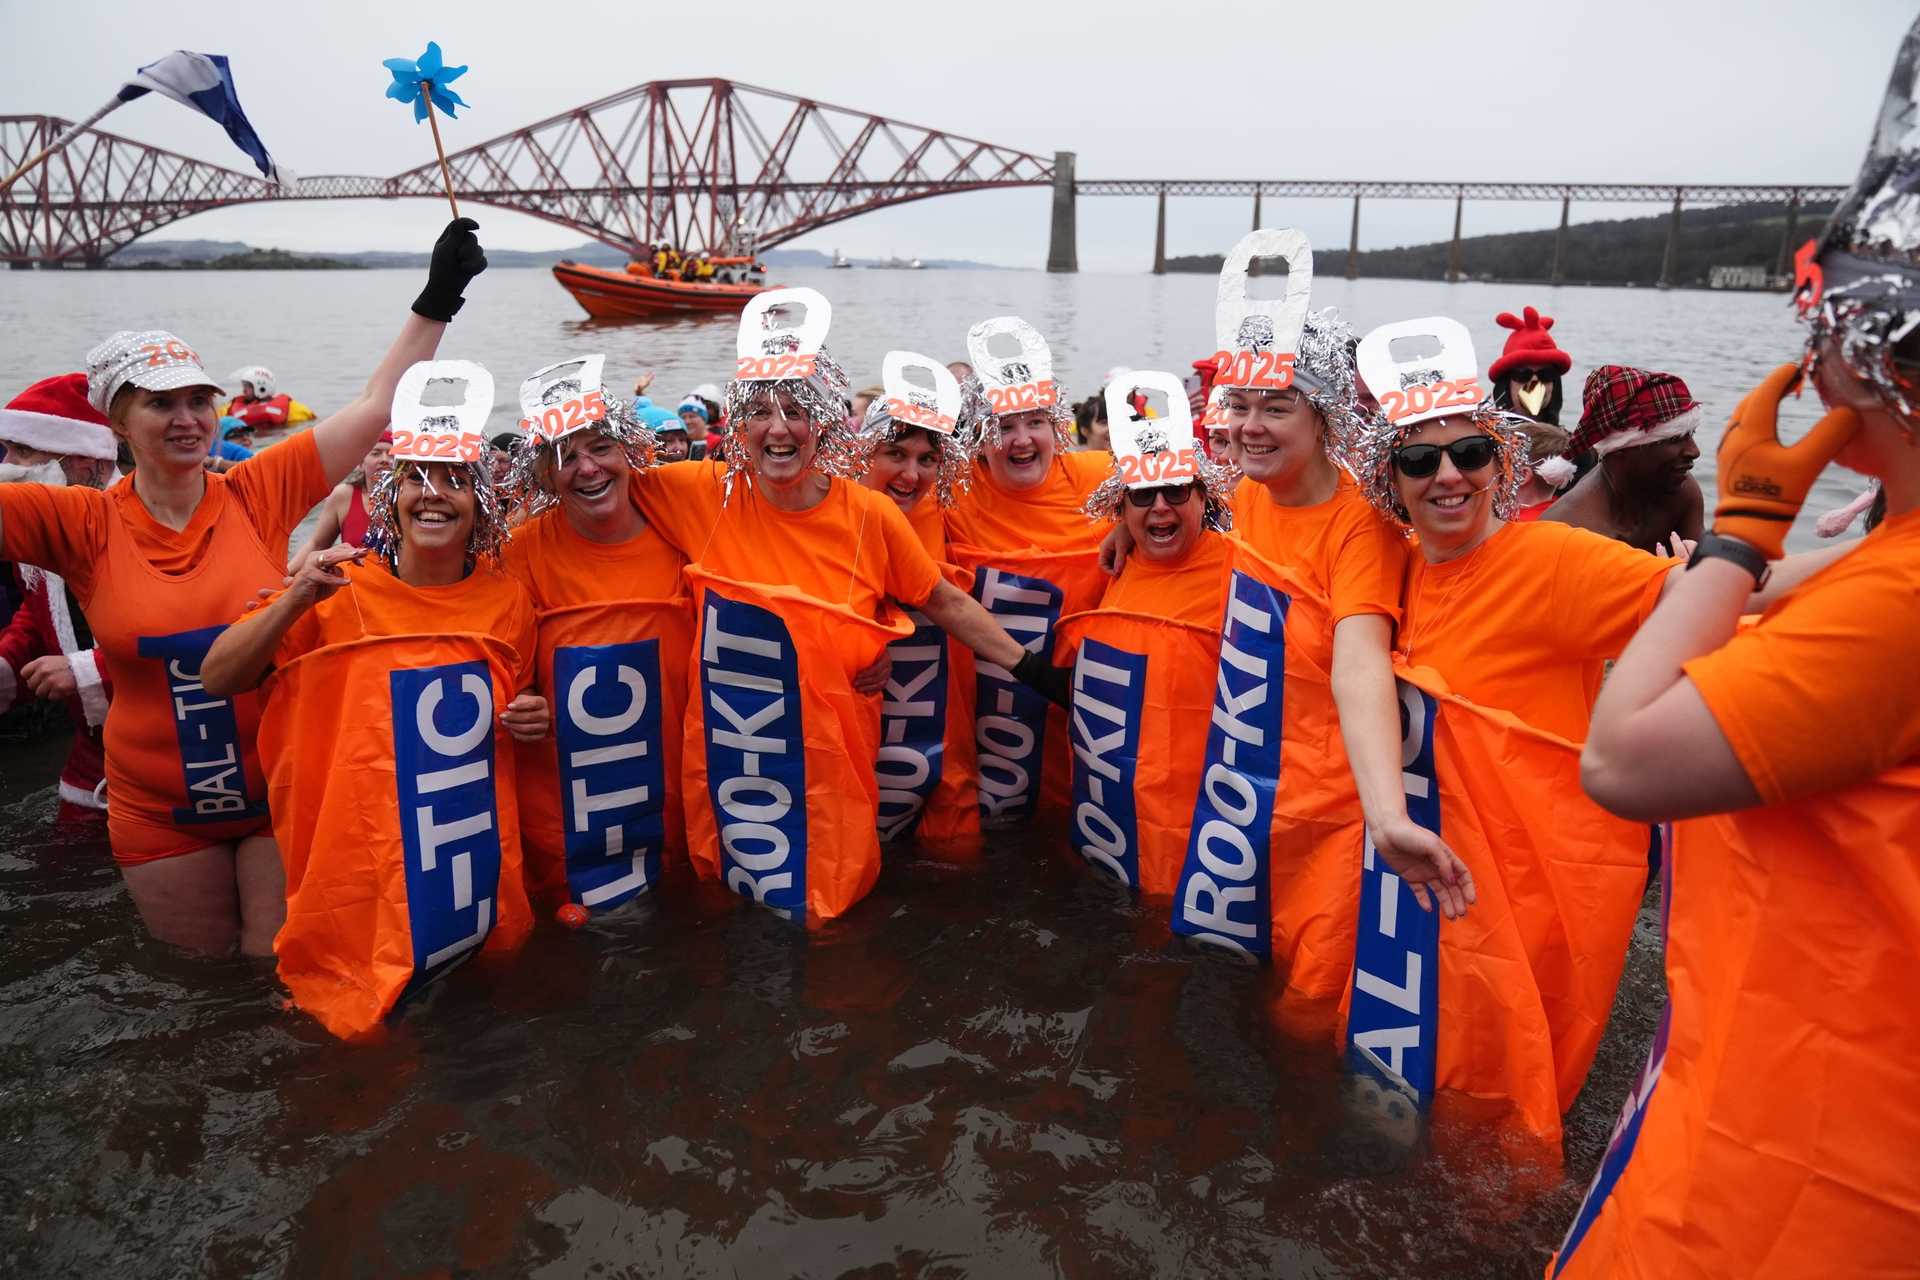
(1772, 1132)
(1509, 1002)
(392, 790)
(1024, 756)
(783, 797)
(600, 801)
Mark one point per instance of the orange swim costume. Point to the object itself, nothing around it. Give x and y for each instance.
(780, 750)
(182, 771)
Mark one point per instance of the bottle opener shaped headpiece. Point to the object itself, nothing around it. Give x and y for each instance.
(1149, 452)
(1418, 388)
(936, 408)
(1017, 383)
(441, 432)
(771, 347)
(563, 398)
(1258, 340)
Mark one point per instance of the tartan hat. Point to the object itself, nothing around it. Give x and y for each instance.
(1622, 407)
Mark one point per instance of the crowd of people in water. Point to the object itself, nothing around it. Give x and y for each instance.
(1347, 655)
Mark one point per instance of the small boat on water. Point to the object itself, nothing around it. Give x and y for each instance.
(841, 262)
(606, 293)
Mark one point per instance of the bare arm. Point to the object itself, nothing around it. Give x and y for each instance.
(1369, 706)
(966, 620)
(1654, 751)
(240, 659)
(343, 437)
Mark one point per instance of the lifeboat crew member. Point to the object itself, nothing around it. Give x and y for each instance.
(1771, 1132)
(160, 563)
(259, 405)
(52, 435)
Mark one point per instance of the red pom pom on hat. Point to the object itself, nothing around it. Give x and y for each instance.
(55, 416)
(1531, 346)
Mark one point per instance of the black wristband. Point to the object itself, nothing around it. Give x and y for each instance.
(1717, 546)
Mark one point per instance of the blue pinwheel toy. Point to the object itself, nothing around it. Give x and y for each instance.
(423, 81)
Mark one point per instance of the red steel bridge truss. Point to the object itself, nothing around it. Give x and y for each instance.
(701, 164)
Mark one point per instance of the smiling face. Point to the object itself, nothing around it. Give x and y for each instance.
(1274, 434)
(1452, 511)
(435, 504)
(1653, 469)
(1025, 453)
(167, 430)
(1164, 532)
(781, 442)
(905, 468)
(591, 479)
(377, 463)
(675, 445)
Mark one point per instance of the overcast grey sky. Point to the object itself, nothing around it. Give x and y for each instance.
(1627, 90)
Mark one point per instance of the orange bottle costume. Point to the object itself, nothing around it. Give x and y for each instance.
(181, 768)
(1772, 1131)
(787, 606)
(1034, 559)
(600, 802)
(392, 787)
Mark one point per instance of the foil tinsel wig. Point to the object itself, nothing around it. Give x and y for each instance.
(957, 449)
(823, 398)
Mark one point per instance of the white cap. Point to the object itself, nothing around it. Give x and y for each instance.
(151, 359)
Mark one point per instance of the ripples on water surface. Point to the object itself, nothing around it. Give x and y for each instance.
(1004, 1069)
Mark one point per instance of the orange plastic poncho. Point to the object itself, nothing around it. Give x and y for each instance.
(391, 786)
(780, 750)
(1509, 1002)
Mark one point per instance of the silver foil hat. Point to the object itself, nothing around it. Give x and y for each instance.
(958, 448)
(529, 482)
(823, 397)
(1154, 452)
(489, 536)
(1859, 285)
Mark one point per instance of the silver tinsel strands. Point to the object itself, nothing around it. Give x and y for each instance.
(1323, 371)
(1216, 481)
(1367, 452)
(489, 536)
(957, 451)
(823, 399)
(533, 490)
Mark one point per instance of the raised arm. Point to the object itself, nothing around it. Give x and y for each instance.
(240, 659)
(345, 436)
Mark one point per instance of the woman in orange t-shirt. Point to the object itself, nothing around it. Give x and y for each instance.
(605, 584)
(178, 551)
(1773, 1128)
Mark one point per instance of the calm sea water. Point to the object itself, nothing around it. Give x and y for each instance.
(1004, 1068)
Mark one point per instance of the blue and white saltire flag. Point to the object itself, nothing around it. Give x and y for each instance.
(204, 82)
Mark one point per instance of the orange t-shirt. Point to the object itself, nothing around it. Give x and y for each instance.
(1342, 548)
(561, 569)
(1047, 517)
(1192, 589)
(375, 602)
(1824, 693)
(853, 548)
(930, 524)
(181, 768)
(1527, 620)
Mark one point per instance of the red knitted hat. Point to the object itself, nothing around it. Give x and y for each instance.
(55, 416)
(1531, 346)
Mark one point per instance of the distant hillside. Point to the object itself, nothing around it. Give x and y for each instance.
(232, 255)
(1617, 252)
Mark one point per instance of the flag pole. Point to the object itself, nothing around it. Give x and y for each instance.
(446, 177)
(72, 132)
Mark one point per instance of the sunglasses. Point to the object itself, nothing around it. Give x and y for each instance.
(1469, 453)
(1175, 494)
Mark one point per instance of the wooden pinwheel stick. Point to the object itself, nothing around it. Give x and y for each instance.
(433, 122)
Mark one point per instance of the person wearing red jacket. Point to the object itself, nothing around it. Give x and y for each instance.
(52, 434)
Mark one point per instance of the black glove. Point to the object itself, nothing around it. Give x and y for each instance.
(1055, 684)
(457, 258)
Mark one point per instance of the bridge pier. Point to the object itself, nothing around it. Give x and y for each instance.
(1786, 238)
(1160, 235)
(1669, 261)
(1353, 241)
(1063, 253)
(1453, 250)
(1560, 242)
(1253, 265)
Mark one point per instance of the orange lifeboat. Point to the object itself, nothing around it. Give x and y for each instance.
(606, 294)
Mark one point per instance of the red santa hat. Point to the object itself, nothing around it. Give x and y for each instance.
(55, 416)
(1531, 346)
